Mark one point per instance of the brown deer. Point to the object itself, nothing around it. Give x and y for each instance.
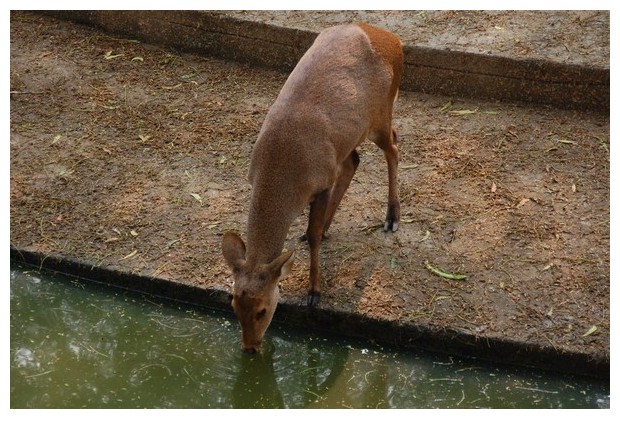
(341, 92)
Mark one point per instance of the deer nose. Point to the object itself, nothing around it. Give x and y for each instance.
(249, 350)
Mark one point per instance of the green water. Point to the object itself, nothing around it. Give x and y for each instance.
(76, 344)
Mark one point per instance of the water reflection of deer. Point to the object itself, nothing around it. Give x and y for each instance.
(256, 384)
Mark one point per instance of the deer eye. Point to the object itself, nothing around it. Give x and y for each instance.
(261, 314)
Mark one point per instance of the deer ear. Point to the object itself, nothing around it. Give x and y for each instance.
(233, 250)
(281, 266)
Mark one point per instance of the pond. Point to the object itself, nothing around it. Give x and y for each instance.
(76, 344)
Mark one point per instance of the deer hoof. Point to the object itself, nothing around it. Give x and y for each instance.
(392, 217)
(304, 237)
(390, 225)
(313, 299)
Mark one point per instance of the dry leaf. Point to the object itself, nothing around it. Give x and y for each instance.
(592, 330)
(109, 55)
(171, 243)
(444, 274)
(197, 197)
(522, 202)
(463, 112)
(446, 106)
(131, 255)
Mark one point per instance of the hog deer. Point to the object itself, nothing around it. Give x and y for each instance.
(341, 92)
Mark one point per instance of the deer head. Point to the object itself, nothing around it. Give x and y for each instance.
(255, 289)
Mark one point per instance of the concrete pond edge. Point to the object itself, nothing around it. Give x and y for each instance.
(427, 70)
(404, 336)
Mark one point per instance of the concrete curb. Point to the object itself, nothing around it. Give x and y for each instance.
(427, 70)
(406, 336)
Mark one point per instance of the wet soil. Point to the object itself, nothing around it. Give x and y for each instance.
(134, 157)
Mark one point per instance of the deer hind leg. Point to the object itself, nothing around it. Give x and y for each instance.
(387, 141)
(314, 234)
(347, 170)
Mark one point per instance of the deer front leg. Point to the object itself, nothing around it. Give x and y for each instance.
(315, 234)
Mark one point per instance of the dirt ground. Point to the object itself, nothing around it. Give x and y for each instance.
(135, 157)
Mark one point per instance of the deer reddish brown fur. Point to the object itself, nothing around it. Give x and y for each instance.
(340, 93)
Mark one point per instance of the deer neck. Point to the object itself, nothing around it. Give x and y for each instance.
(271, 214)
